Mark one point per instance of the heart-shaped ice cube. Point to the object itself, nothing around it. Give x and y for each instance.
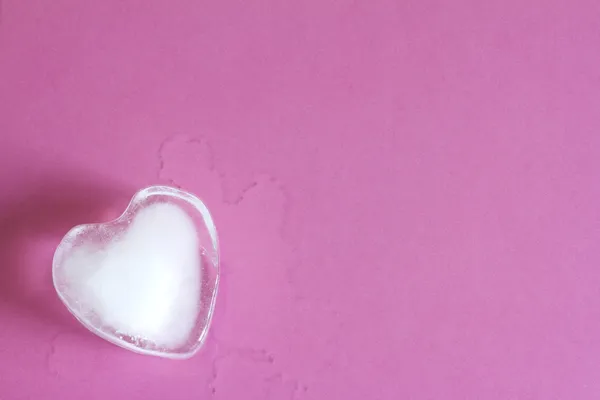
(148, 280)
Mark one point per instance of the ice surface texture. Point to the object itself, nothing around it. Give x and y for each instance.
(146, 281)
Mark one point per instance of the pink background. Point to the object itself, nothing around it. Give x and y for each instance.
(407, 192)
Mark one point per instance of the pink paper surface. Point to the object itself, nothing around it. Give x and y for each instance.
(407, 192)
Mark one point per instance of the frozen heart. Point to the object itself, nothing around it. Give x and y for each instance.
(146, 281)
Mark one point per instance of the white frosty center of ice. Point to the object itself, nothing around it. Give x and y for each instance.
(146, 284)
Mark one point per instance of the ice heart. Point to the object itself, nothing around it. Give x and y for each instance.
(148, 280)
